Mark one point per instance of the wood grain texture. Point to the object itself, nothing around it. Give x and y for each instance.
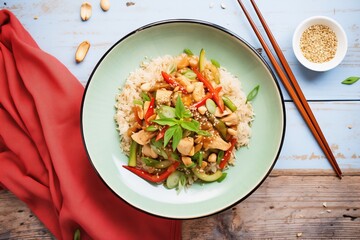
(290, 202)
(58, 29)
(285, 206)
(17, 221)
(317, 207)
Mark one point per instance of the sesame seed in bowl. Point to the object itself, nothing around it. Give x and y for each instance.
(319, 43)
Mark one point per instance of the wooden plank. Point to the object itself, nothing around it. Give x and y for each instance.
(65, 30)
(281, 208)
(285, 206)
(17, 221)
(340, 123)
(312, 172)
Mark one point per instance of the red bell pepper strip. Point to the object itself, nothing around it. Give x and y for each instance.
(207, 96)
(172, 82)
(227, 154)
(161, 133)
(150, 110)
(153, 177)
(215, 95)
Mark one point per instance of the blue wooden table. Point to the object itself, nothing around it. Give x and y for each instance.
(302, 198)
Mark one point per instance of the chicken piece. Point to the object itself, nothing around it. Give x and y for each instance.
(226, 112)
(163, 97)
(186, 160)
(193, 61)
(183, 62)
(148, 151)
(185, 82)
(218, 143)
(186, 146)
(142, 137)
(231, 120)
(199, 91)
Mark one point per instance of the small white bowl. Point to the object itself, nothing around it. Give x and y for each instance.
(341, 44)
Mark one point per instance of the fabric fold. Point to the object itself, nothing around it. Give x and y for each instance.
(42, 157)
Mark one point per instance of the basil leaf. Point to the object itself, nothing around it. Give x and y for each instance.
(156, 144)
(350, 80)
(197, 124)
(204, 133)
(252, 93)
(187, 113)
(151, 128)
(177, 136)
(179, 108)
(165, 121)
(188, 52)
(191, 126)
(215, 63)
(169, 134)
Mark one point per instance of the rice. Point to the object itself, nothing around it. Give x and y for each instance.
(150, 72)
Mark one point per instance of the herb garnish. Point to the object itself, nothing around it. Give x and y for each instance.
(252, 94)
(177, 124)
(350, 80)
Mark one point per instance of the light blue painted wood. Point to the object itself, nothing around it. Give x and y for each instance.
(340, 125)
(58, 30)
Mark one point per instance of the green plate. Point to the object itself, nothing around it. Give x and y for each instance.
(253, 164)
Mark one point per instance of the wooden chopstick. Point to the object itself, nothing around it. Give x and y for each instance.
(289, 81)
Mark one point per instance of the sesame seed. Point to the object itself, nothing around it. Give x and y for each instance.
(318, 43)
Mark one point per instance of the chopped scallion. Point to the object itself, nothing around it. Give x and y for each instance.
(188, 52)
(215, 63)
(252, 94)
(350, 80)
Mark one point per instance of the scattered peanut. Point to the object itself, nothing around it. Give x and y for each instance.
(231, 131)
(202, 110)
(81, 51)
(85, 11)
(105, 5)
(212, 158)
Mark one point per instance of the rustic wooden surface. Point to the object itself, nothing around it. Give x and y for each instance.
(290, 203)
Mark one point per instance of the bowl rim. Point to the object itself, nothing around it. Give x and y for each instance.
(230, 33)
(340, 34)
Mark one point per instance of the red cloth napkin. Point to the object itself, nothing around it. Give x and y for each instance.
(42, 157)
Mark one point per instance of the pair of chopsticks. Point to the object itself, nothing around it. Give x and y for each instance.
(289, 81)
